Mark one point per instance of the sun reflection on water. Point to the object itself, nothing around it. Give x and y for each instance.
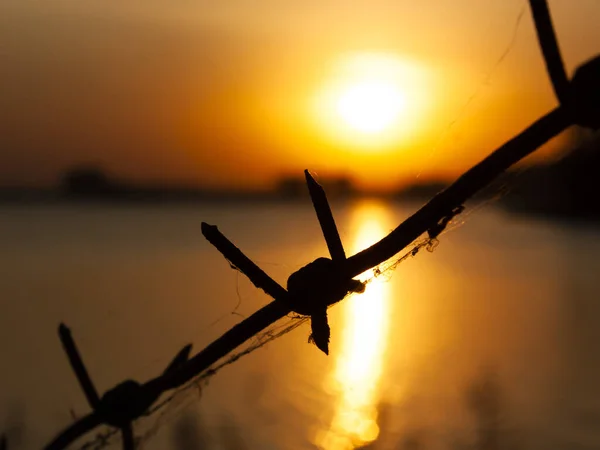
(355, 379)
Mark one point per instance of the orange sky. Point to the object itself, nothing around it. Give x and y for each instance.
(224, 93)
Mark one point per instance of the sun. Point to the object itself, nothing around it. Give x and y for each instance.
(370, 100)
(370, 105)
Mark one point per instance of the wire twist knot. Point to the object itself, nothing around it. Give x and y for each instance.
(125, 403)
(318, 285)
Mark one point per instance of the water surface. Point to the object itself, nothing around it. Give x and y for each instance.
(491, 341)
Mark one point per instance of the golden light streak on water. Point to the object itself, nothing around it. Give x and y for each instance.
(355, 379)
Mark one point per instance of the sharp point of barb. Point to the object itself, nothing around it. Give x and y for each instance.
(206, 227)
(309, 177)
(180, 358)
(209, 230)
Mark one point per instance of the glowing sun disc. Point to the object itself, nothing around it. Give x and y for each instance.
(370, 105)
(371, 101)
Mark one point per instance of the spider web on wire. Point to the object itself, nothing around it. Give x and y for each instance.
(169, 408)
(444, 134)
(173, 404)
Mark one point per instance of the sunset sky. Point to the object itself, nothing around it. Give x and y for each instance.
(236, 93)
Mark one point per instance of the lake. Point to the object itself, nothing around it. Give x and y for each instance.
(490, 341)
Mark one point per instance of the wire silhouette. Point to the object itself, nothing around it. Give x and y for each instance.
(315, 287)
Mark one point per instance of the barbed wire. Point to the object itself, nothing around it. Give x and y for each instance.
(324, 282)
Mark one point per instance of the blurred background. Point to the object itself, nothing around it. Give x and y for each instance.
(124, 126)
